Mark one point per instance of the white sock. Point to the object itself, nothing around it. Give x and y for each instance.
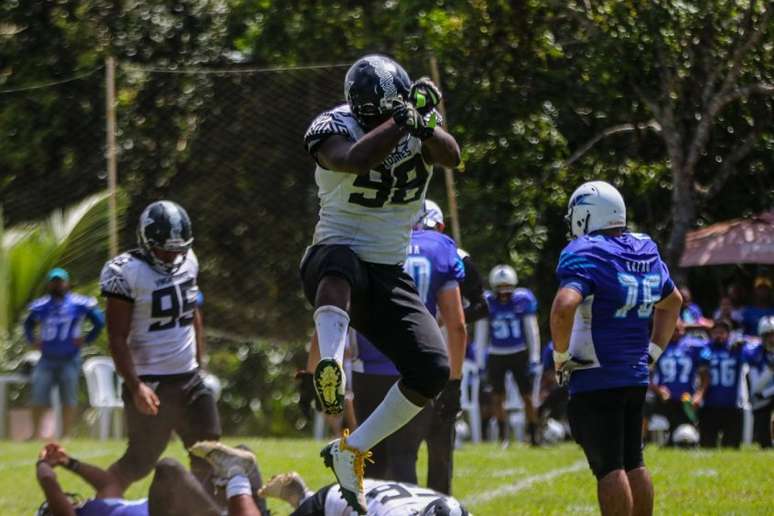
(238, 485)
(391, 414)
(332, 324)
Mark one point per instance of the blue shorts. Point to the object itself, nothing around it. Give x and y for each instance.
(52, 371)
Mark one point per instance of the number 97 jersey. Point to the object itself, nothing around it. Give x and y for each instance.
(373, 213)
(162, 338)
(621, 278)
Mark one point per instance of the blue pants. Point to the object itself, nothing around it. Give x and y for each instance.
(63, 372)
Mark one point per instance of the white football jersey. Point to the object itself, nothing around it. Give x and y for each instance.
(385, 498)
(372, 214)
(162, 339)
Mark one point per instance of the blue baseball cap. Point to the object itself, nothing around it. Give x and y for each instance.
(58, 273)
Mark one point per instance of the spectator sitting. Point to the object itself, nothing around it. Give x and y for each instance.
(60, 314)
(762, 305)
(690, 313)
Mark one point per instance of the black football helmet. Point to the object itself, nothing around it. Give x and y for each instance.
(370, 86)
(164, 225)
(445, 507)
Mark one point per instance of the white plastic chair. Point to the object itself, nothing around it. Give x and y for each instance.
(104, 387)
(469, 399)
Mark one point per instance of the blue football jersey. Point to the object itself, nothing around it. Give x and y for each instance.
(60, 322)
(506, 320)
(620, 278)
(677, 367)
(434, 264)
(113, 507)
(725, 367)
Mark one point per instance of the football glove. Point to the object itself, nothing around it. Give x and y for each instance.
(406, 115)
(425, 95)
(563, 373)
(447, 405)
(306, 394)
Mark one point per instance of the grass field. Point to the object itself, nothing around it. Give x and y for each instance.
(491, 481)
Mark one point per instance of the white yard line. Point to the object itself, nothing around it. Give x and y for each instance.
(84, 455)
(521, 485)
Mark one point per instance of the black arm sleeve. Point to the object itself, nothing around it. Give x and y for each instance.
(473, 291)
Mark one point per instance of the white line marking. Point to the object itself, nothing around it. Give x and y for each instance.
(22, 463)
(521, 485)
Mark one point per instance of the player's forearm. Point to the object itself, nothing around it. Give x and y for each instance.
(665, 319)
(457, 341)
(122, 357)
(443, 148)
(703, 384)
(532, 336)
(97, 320)
(58, 503)
(373, 148)
(562, 317)
(97, 477)
(29, 329)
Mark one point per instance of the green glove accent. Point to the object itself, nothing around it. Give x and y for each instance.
(419, 100)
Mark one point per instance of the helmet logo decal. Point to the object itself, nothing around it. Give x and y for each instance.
(385, 77)
(176, 223)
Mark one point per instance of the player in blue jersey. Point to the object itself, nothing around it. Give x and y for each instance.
(60, 315)
(674, 379)
(438, 271)
(174, 491)
(513, 344)
(614, 313)
(720, 390)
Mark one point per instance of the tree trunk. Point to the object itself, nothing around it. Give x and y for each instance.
(683, 218)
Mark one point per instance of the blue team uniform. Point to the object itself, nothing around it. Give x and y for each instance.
(434, 264)
(547, 357)
(760, 363)
(113, 507)
(506, 321)
(725, 363)
(60, 321)
(677, 367)
(620, 279)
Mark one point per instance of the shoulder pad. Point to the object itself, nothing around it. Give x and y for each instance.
(338, 121)
(80, 299)
(462, 253)
(37, 303)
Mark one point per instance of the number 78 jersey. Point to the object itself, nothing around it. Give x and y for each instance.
(162, 339)
(372, 214)
(621, 279)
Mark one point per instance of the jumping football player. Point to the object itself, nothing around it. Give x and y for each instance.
(151, 302)
(613, 285)
(374, 158)
(513, 344)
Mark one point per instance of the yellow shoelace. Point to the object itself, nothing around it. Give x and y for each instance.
(360, 458)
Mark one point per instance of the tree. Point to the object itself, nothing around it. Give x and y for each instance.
(700, 75)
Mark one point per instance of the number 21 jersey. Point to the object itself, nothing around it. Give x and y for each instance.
(373, 213)
(162, 339)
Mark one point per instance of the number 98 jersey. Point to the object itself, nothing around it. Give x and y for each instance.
(162, 339)
(372, 214)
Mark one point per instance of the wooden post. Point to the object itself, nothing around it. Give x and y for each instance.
(110, 153)
(451, 191)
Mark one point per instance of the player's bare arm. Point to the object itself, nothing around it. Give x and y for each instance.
(450, 307)
(119, 321)
(441, 149)
(343, 155)
(665, 318)
(563, 310)
(58, 503)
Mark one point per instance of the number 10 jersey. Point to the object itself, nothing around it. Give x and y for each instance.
(162, 338)
(372, 214)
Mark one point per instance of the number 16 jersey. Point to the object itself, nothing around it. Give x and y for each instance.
(162, 339)
(372, 214)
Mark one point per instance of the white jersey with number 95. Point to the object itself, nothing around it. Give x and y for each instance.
(162, 339)
(372, 214)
